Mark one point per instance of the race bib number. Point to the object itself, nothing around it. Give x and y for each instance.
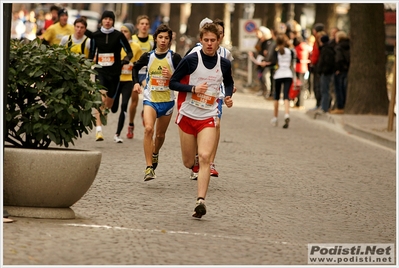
(159, 83)
(127, 68)
(204, 100)
(106, 59)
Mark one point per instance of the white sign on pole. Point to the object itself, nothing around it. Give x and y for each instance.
(247, 40)
(247, 34)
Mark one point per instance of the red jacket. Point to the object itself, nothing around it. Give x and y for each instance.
(302, 53)
(314, 56)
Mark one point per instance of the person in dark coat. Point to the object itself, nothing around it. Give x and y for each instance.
(342, 62)
(326, 68)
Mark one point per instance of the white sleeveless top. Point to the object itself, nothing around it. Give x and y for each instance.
(203, 106)
(224, 53)
(284, 65)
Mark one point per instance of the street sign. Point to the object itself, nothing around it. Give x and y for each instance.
(247, 34)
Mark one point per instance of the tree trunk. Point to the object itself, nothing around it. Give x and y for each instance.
(217, 12)
(277, 19)
(174, 19)
(151, 10)
(367, 85)
(326, 14)
(260, 13)
(197, 14)
(237, 15)
(298, 12)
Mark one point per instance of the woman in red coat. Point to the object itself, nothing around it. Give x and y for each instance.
(301, 67)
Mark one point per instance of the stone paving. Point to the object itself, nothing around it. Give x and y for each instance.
(278, 190)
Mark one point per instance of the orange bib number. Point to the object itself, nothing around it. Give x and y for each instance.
(106, 59)
(159, 83)
(203, 101)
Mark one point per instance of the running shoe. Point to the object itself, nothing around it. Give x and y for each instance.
(274, 121)
(130, 133)
(99, 136)
(149, 174)
(287, 121)
(117, 139)
(193, 176)
(154, 161)
(200, 209)
(214, 173)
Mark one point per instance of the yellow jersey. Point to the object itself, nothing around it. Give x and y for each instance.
(127, 69)
(81, 47)
(55, 32)
(145, 46)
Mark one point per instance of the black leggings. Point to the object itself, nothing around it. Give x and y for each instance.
(287, 84)
(125, 88)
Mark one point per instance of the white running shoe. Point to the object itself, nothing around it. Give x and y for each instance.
(274, 122)
(117, 139)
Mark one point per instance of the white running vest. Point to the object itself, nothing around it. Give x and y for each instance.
(224, 53)
(202, 106)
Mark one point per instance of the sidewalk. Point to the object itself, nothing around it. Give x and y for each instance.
(371, 127)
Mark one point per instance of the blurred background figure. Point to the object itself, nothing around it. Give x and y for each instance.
(264, 49)
(17, 26)
(342, 63)
(30, 26)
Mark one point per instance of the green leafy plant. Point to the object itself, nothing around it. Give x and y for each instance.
(50, 95)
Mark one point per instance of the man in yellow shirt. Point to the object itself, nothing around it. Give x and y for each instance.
(146, 42)
(55, 32)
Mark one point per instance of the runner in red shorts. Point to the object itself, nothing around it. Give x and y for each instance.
(197, 78)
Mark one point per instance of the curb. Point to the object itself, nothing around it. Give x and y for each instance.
(355, 130)
(352, 129)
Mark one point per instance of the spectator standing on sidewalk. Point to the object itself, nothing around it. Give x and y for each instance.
(342, 63)
(78, 41)
(146, 41)
(264, 46)
(301, 67)
(105, 46)
(125, 87)
(314, 57)
(198, 78)
(285, 59)
(54, 17)
(326, 68)
(158, 99)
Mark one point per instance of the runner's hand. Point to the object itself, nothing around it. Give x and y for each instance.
(137, 88)
(202, 88)
(228, 101)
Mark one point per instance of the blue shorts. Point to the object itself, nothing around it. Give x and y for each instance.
(220, 104)
(161, 108)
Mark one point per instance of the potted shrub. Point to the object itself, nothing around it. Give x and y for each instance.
(50, 103)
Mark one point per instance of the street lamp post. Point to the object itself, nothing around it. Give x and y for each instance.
(7, 11)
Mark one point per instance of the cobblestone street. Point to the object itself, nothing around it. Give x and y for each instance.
(278, 190)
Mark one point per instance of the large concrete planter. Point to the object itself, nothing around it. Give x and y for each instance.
(45, 183)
